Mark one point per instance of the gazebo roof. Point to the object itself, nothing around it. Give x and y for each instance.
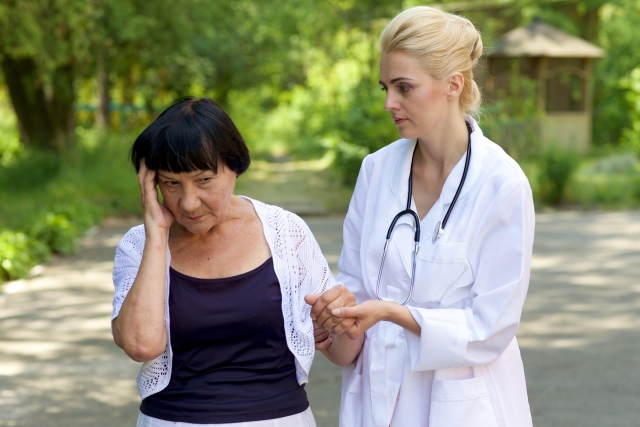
(542, 39)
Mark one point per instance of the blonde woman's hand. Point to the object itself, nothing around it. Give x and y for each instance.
(156, 216)
(322, 304)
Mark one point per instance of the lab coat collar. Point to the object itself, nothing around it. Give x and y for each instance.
(400, 172)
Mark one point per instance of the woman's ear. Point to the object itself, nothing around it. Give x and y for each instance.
(456, 84)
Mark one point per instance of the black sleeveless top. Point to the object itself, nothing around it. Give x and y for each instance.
(231, 362)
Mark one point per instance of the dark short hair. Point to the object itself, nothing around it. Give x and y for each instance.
(191, 134)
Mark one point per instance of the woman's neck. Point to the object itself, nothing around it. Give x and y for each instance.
(443, 146)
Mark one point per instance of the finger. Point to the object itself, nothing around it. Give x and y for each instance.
(321, 337)
(355, 331)
(324, 345)
(347, 311)
(327, 319)
(150, 179)
(344, 325)
(311, 298)
(338, 296)
(323, 300)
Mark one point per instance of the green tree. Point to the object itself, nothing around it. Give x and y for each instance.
(41, 43)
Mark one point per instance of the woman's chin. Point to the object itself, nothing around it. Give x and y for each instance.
(408, 134)
(196, 227)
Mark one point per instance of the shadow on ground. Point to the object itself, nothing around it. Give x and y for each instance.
(579, 333)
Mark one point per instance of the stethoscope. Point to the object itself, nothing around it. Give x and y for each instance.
(437, 232)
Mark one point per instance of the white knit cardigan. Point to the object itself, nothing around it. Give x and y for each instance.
(299, 266)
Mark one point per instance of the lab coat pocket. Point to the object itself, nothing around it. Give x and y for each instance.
(438, 268)
(461, 403)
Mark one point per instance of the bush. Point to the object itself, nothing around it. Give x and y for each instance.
(57, 232)
(556, 166)
(608, 182)
(30, 170)
(19, 252)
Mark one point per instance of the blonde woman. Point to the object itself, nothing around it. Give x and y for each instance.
(437, 249)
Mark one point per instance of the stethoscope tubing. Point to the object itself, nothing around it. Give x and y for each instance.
(408, 211)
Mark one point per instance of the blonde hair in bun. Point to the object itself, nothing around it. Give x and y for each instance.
(443, 43)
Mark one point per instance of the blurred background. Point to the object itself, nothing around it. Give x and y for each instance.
(79, 79)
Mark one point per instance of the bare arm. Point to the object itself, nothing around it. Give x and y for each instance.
(342, 349)
(339, 349)
(368, 313)
(330, 340)
(139, 328)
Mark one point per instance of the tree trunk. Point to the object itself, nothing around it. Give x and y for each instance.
(44, 122)
(61, 106)
(103, 115)
(29, 103)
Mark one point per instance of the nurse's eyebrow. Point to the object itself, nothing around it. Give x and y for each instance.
(397, 79)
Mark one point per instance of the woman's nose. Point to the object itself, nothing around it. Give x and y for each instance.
(390, 102)
(190, 201)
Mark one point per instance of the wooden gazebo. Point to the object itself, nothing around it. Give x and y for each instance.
(561, 66)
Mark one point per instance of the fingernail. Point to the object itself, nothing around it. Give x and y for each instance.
(336, 312)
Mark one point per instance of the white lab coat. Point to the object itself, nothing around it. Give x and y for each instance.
(464, 370)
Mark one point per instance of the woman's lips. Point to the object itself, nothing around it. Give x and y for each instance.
(399, 120)
(196, 218)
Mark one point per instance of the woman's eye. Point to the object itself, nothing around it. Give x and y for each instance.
(403, 88)
(170, 183)
(205, 180)
(384, 89)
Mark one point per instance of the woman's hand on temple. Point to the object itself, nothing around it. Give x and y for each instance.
(155, 214)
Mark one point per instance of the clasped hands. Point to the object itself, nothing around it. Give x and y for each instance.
(336, 310)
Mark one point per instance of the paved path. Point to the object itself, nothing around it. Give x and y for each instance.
(579, 334)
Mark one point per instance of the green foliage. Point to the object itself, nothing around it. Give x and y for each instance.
(608, 182)
(556, 167)
(30, 170)
(631, 135)
(19, 252)
(10, 146)
(57, 232)
(52, 207)
(618, 35)
(511, 120)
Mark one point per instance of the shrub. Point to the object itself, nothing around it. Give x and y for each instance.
(83, 216)
(556, 166)
(31, 169)
(19, 252)
(608, 182)
(57, 232)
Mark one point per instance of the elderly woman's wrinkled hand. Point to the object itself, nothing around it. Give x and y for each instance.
(155, 214)
(322, 337)
(321, 307)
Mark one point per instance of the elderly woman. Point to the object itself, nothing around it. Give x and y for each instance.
(209, 290)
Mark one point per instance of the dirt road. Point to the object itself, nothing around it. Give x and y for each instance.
(579, 334)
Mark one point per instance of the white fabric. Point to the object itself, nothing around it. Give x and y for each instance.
(465, 367)
(298, 263)
(303, 419)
